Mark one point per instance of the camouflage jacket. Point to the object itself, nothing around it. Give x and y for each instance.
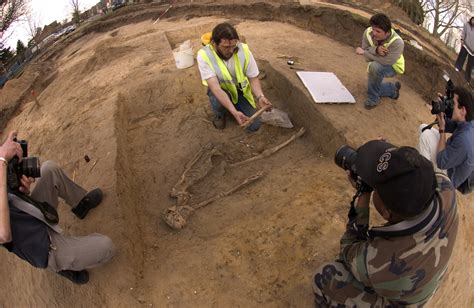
(400, 264)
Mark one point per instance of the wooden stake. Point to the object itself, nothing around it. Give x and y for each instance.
(254, 116)
(166, 11)
(33, 94)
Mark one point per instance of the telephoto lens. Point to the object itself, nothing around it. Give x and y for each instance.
(345, 158)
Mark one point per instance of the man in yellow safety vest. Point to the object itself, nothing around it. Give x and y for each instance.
(230, 73)
(383, 49)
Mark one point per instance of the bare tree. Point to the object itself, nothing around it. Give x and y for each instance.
(33, 26)
(76, 13)
(445, 13)
(11, 11)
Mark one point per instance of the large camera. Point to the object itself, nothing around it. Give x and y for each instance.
(28, 166)
(346, 158)
(445, 103)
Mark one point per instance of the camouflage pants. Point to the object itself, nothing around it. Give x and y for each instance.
(335, 286)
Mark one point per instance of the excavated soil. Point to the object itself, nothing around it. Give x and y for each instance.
(113, 92)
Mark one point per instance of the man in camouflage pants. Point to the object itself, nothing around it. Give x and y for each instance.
(403, 262)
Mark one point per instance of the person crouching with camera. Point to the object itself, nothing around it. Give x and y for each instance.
(403, 261)
(456, 153)
(29, 221)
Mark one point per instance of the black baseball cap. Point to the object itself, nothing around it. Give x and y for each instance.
(403, 178)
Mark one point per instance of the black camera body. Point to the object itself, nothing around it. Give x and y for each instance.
(28, 166)
(445, 103)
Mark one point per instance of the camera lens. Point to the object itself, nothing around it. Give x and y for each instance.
(30, 167)
(346, 157)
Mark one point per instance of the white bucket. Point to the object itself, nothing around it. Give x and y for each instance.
(185, 45)
(184, 57)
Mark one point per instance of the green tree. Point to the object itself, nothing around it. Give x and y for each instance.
(20, 48)
(414, 10)
(76, 13)
(5, 55)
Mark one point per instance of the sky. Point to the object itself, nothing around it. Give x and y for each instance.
(45, 11)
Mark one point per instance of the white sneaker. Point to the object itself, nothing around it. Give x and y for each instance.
(456, 69)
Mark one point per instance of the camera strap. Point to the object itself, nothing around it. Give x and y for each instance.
(359, 230)
(49, 212)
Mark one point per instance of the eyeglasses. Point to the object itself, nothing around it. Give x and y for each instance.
(229, 47)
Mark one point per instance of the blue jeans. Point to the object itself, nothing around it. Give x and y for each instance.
(470, 63)
(376, 88)
(242, 105)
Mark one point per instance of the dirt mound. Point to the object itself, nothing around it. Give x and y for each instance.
(32, 81)
(104, 54)
(117, 96)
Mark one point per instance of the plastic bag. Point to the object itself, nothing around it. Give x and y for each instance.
(276, 117)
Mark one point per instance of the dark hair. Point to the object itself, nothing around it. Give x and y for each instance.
(224, 31)
(465, 100)
(381, 21)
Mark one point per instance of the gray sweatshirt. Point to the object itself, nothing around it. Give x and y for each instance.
(394, 50)
(468, 36)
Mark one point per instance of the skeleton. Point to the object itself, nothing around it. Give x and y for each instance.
(177, 216)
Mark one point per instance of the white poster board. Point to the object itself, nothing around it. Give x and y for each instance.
(325, 87)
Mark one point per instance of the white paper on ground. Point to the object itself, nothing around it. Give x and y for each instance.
(325, 87)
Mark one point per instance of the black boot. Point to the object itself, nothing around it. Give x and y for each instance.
(90, 201)
(398, 86)
(78, 277)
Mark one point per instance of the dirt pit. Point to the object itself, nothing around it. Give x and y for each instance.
(119, 98)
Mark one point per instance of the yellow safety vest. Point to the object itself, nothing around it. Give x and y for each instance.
(399, 66)
(241, 62)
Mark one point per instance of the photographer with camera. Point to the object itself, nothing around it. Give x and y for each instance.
(29, 222)
(454, 114)
(402, 262)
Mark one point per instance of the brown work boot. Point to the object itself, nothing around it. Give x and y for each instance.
(219, 121)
